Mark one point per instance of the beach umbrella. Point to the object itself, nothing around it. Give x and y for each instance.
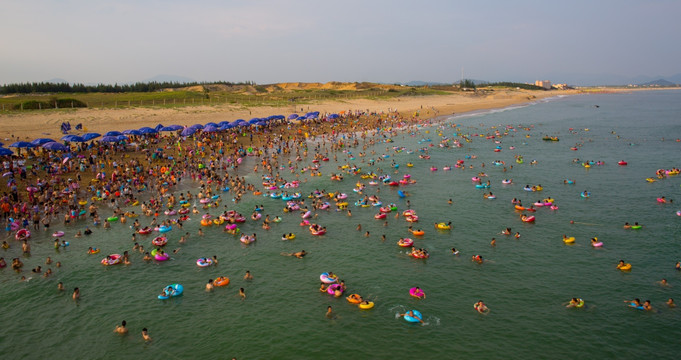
(1, 144)
(223, 123)
(189, 131)
(148, 130)
(109, 139)
(90, 136)
(22, 144)
(38, 142)
(72, 138)
(113, 133)
(171, 128)
(293, 116)
(55, 146)
(5, 152)
(121, 137)
(197, 126)
(225, 127)
(210, 128)
(254, 120)
(333, 116)
(158, 127)
(132, 132)
(212, 123)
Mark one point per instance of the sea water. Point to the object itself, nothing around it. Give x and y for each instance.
(525, 282)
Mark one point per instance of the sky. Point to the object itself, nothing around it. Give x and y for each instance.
(270, 41)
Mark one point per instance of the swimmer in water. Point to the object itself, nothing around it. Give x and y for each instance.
(121, 329)
(145, 335)
(329, 313)
(411, 314)
(481, 307)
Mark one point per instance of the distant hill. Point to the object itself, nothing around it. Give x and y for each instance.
(169, 78)
(658, 82)
(423, 83)
(57, 81)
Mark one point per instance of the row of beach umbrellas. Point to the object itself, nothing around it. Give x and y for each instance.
(117, 136)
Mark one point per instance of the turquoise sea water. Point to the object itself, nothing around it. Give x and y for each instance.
(525, 282)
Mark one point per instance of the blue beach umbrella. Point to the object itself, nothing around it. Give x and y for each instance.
(5, 152)
(109, 139)
(212, 123)
(293, 116)
(333, 116)
(90, 136)
(132, 132)
(197, 126)
(72, 138)
(158, 127)
(171, 128)
(210, 128)
(147, 130)
(38, 142)
(189, 131)
(121, 137)
(55, 146)
(113, 133)
(22, 144)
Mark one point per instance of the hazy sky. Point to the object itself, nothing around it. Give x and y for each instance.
(270, 41)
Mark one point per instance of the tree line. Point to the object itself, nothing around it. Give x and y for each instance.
(49, 87)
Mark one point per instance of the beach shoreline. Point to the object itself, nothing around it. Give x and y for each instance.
(37, 124)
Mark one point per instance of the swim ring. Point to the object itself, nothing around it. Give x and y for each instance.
(112, 259)
(203, 262)
(160, 241)
(366, 306)
(221, 281)
(406, 242)
(414, 319)
(326, 279)
(417, 293)
(171, 291)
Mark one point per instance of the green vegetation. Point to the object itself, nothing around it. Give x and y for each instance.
(47, 87)
(515, 85)
(467, 84)
(244, 96)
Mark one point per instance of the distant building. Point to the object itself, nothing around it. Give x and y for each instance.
(561, 86)
(546, 84)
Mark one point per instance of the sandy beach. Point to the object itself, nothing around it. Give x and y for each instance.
(36, 124)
